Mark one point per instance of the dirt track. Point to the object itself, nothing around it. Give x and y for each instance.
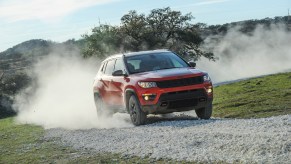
(183, 138)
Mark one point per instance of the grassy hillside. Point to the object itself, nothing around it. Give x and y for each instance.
(258, 97)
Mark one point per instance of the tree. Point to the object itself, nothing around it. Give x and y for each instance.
(104, 40)
(133, 29)
(160, 29)
(164, 28)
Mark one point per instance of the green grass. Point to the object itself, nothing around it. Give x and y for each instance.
(26, 144)
(255, 98)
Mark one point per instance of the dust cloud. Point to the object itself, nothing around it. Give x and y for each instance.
(62, 96)
(261, 52)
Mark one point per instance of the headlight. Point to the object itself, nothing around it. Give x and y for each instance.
(147, 84)
(206, 78)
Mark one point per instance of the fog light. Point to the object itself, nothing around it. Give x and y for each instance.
(209, 90)
(149, 96)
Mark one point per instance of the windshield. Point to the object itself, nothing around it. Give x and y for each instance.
(153, 62)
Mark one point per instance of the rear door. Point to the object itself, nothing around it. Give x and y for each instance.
(106, 82)
(117, 84)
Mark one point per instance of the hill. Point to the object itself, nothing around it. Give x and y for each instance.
(27, 49)
(246, 26)
(24, 54)
(258, 97)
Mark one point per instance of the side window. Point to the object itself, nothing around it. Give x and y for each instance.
(109, 67)
(119, 65)
(102, 69)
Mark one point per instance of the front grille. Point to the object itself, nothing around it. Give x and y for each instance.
(180, 82)
(182, 103)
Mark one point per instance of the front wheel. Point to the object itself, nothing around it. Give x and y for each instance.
(138, 117)
(204, 113)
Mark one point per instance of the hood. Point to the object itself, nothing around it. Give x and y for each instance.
(167, 73)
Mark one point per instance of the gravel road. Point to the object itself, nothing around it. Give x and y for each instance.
(266, 140)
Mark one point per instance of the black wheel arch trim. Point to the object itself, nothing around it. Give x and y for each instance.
(128, 93)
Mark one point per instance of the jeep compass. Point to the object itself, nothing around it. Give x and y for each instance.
(151, 82)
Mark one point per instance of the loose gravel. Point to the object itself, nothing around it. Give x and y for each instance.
(265, 140)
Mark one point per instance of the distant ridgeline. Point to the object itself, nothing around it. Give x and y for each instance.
(27, 49)
(23, 54)
(246, 26)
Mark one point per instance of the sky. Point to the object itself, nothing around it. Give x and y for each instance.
(60, 20)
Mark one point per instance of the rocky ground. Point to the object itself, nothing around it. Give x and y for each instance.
(265, 140)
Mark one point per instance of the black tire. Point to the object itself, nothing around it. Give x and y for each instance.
(101, 109)
(138, 117)
(204, 113)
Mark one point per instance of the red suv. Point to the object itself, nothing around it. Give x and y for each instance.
(151, 82)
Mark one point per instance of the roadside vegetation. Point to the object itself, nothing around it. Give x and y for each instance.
(258, 97)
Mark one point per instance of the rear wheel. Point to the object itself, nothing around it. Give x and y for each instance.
(204, 113)
(102, 111)
(138, 117)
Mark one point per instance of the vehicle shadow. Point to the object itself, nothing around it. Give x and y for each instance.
(177, 121)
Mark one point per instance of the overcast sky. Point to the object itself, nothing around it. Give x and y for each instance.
(60, 20)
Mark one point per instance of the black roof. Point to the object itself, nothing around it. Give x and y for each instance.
(138, 53)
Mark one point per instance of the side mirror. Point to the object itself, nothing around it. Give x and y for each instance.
(192, 64)
(118, 73)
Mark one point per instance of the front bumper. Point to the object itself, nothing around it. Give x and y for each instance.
(178, 101)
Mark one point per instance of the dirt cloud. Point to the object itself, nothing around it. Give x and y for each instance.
(62, 96)
(263, 51)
